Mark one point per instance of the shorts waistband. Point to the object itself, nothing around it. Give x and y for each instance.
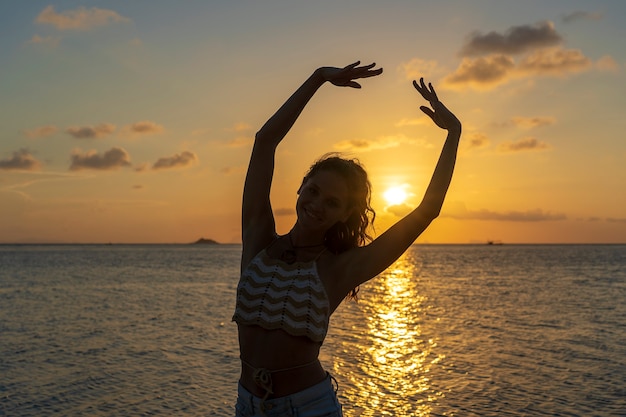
(329, 384)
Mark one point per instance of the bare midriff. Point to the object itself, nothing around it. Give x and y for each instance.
(292, 360)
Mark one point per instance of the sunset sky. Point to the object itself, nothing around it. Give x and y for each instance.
(133, 121)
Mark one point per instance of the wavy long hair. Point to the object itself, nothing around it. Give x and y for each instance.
(354, 232)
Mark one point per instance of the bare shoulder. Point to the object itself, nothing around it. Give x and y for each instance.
(253, 245)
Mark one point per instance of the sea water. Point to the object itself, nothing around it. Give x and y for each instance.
(448, 330)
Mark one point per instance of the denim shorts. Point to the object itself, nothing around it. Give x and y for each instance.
(320, 400)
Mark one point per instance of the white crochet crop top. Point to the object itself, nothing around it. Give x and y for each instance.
(276, 295)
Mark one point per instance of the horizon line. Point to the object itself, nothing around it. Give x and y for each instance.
(485, 243)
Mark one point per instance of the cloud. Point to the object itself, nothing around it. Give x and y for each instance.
(421, 121)
(536, 215)
(616, 220)
(145, 127)
(532, 122)
(523, 145)
(554, 62)
(49, 41)
(240, 127)
(200, 132)
(592, 219)
(21, 160)
(40, 132)
(181, 160)
(607, 63)
(515, 40)
(233, 170)
(91, 132)
(581, 15)
(79, 19)
(240, 142)
(416, 68)
(482, 73)
(399, 210)
(142, 167)
(114, 158)
(488, 59)
(284, 212)
(476, 140)
(384, 142)
(485, 73)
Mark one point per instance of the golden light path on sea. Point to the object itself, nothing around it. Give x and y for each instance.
(394, 357)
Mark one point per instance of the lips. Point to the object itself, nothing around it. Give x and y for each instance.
(311, 214)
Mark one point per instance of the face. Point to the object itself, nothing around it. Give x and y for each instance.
(323, 201)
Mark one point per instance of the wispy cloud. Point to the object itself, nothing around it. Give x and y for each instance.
(35, 177)
(616, 219)
(416, 68)
(284, 212)
(80, 18)
(239, 142)
(91, 132)
(181, 160)
(607, 63)
(114, 158)
(47, 41)
(581, 15)
(476, 140)
(523, 145)
(230, 170)
(384, 142)
(515, 40)
(142, 128)
(554, 62)
(532, 122)
(399, 210)
(41, 131)
(240, 127)
(536, 215)
(420, 121)
(21, 160)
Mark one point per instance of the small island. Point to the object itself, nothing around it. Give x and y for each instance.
(203, 241)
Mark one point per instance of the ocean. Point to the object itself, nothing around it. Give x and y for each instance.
(448, 330)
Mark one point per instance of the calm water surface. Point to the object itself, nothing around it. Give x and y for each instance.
(448, 330)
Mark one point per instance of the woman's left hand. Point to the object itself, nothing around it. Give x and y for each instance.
(344, 77)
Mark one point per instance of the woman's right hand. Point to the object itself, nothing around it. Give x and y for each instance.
(344, 77)
(439, 113)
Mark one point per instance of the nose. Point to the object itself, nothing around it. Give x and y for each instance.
(316, 205)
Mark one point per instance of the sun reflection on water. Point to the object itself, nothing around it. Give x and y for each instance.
(394, 364)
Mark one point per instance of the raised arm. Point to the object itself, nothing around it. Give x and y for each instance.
(362, 264)
(258, 227)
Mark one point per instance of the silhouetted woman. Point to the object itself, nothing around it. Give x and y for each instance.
(290, 284)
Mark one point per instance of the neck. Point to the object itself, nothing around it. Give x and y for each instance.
(298, 241)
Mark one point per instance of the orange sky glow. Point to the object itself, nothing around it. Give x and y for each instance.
(132, 122)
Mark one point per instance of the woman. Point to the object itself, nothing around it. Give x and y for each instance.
(291, 284)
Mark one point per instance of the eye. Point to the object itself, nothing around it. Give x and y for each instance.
(333, 204)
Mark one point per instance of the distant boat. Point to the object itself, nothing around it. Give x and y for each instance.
(203, 241)
(494, 242)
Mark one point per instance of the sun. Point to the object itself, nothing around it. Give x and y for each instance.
(395, 195)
